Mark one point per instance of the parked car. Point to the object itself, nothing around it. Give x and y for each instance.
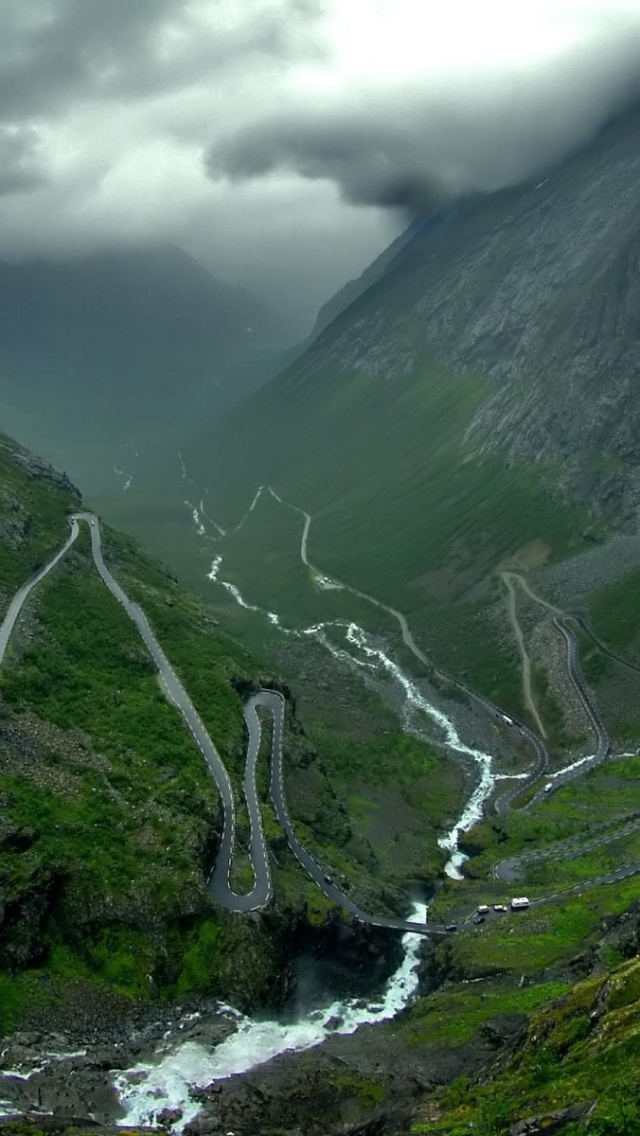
(478, 918)
(483, 909)
(451, 927)
(499, 907)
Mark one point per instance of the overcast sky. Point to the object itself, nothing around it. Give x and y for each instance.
(277, 139)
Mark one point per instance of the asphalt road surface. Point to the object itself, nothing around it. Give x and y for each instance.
(259, 895)
(23, 593)
(584, 626)
(511, 869)
(273, 702)
(603, 741)
(575, 674)
(218, 883)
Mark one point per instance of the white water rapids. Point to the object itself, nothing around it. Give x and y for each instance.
(148, 1089)
(474, 807)
(373, 656)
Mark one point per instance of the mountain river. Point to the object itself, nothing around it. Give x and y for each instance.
(146, 1090)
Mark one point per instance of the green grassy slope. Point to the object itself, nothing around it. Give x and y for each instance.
(575, 1068)
(33, 518)
(401, 506)
(615, 615)
(109, 819)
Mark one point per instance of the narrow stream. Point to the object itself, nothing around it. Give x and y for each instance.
(146, 1090)
(364, 651)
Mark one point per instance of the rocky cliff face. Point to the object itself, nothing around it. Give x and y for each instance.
(536, 288)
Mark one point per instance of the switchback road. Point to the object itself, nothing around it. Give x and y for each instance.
(573, 848)
(561, 621)
(274, 703)
(219, 881)
(23, 593)
(503, 803)
(575, 674)
(219, 885)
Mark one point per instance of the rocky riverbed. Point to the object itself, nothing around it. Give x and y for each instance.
(167, 1069)
(335, 1086)
(71, 1075)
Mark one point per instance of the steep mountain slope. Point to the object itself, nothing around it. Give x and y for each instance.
(353, 289)
(495, 1062)
(477, 401)
(110, 819)
(122, 352)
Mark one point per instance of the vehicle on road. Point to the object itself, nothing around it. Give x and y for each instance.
(479, 919)
(520, 903)
(548, 787)
(508, 721)
(451, 927)
(500, 907)
(328, 880)
(483, 909)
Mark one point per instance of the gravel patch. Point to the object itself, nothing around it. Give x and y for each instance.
(574, 582)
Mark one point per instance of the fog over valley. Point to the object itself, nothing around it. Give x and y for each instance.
(319, 567)
(285, 142)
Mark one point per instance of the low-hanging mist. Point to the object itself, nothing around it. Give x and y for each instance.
(270, 138)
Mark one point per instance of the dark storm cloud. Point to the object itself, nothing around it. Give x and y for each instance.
(19, 166)
(264, 135)
(56, 51)
(372, 161)
(49, 51)
(414, 145)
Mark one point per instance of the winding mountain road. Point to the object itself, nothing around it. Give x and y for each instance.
(584, 626)
(506, 870)
(219, 880)
(511, 869)
(272, 702)
(503, 803)
(561, 622)
(23, 593)
(575, 674)
(219, 885)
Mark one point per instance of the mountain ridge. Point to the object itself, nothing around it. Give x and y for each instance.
(476, 400)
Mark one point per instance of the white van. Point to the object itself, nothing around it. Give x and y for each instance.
(548, 787)
(483, 909)
(520, 903)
